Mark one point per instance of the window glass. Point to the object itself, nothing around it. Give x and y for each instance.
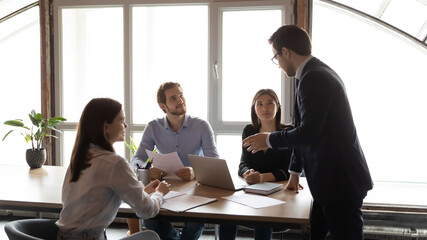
(92, 57)
(410, 16)
(230, 148)
(170, 43)
(407, 15)
(382, 73)
(20, 91)
(9, 6)
(137, 137)
(368, 6)
(68, 139)
(246, 59)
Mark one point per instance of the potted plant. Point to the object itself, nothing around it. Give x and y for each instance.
(36, 155)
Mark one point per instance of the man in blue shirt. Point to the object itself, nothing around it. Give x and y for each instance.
(176, 132)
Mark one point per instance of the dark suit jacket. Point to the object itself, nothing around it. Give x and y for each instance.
(324, 139)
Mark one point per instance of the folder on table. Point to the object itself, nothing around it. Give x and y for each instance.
(185, 202)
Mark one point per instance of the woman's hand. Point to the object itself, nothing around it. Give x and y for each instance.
(251, 176)
(163, 187)
(151, 187)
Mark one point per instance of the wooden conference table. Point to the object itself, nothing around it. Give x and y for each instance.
(39, 190)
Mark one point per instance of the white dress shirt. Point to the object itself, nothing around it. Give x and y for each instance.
(91, 203)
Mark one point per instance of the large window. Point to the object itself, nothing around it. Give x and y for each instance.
(165, 50)
(245, 58)
(92, 57)
(217, 51)
(20, 90)
(385, 76)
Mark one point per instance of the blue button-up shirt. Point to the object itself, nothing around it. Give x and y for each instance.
(194, 137)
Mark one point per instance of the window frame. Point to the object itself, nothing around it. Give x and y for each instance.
(215, 84)
(214, 46)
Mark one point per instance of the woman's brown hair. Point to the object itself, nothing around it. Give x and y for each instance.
(91, 130)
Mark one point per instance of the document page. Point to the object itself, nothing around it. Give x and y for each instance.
(185, 202)
(169, 162)
(172, 194)
(253, 200)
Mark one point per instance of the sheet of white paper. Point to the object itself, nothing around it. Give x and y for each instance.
(253, 200)
(172, 194)
(169, 162)
(185, 202)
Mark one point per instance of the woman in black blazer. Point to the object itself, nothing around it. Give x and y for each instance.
(270, 165)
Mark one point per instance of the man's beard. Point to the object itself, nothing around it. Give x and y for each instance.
(177, 112)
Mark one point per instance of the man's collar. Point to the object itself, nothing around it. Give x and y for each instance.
(301, 67)
(184, 124)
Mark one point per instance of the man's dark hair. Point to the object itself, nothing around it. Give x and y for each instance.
(293, 38)
(161, 96)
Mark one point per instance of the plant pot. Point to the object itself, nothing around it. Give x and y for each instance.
(36, 158)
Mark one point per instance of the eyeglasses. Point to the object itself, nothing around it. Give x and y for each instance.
(274, 58)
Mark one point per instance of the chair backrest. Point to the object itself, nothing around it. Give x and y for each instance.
(31, 229)
(146, 235)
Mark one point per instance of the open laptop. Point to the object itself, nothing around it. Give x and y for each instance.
(214, 172)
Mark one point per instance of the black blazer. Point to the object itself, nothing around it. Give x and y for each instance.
(324, 139)
(275, 161)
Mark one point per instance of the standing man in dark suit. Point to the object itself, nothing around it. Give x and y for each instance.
(324, 140)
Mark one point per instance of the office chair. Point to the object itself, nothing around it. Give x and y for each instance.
(31, 229)
(146, 235)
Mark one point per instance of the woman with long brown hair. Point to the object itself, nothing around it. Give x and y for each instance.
(264, 166)
(98, 179)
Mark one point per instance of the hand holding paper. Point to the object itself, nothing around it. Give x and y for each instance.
(186, 173)
(169, 163)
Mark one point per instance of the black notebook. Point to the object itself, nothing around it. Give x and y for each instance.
(264, 188)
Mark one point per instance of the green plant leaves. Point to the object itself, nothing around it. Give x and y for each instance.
(15, 123)
(55, 121)
(132, 146)
(36, 118)
(7, 134)
(27, 137)
(39, 128)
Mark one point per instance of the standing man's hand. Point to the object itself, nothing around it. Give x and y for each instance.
(186, 173)
(256, 142)
(293, 183)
